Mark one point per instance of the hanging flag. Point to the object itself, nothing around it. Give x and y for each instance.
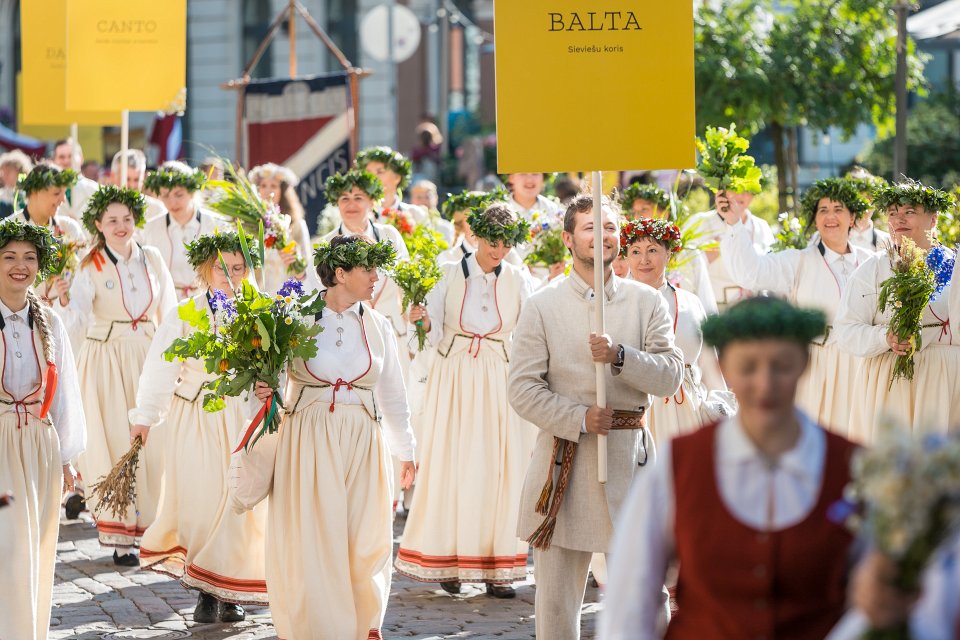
(303, 124)
(167, 135)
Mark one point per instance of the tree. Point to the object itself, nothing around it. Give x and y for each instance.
(820, 63)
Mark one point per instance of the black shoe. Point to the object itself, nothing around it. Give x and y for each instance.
(206, 610)
(75, 504)
(502, 591)
(452, 587)
(230, 612)
(126, 560)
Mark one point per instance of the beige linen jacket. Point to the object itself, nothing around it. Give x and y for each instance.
(553, 383)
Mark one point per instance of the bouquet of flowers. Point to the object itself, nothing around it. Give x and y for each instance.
(238, 199)
(790, 235)
(546, 240)
(402, 222)
(907, 292)
(252, 338)
(419, 275)
(905, 494)
(67, 259)
(724, 164)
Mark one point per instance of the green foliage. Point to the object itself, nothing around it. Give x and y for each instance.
(472, 200)
(340, 183)
(510, 234)
(835, 189)
(15, 229)
(44, 176)
(763, 317)
(933, 143)
(392, 160)
(108, 194)
(355, 254)
(913, 192)
(790, 233)
(724, 164)
(161, 179)
(547, 248)
(908, 293)
(251, 338)
(649, 192)
(211, 245)
(418, 276)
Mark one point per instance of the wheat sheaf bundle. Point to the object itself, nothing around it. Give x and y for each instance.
(117, 490)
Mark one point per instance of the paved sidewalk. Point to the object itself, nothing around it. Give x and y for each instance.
(93, 600)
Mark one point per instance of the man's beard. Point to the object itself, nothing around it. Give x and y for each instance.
(587, 257)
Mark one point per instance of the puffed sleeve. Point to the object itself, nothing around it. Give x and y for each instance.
(854, 327)
(66, 411)
(158, 379)
(636, 606)
(76, 314)
(751, 269)
(391, 395)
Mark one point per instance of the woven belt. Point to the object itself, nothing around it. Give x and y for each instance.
(20, 405)
(134, 324)
(475, 342)
(826, 336)
(629, 419)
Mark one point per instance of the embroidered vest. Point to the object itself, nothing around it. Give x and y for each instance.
(31, 404)
(506, 300)
(739, 582)
(110, 314)
(304, 388)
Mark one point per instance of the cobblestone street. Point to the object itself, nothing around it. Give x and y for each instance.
(92, 599)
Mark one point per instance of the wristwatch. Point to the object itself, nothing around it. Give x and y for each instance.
(620, 357)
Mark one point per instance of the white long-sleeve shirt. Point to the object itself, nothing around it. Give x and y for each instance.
(170, 238)
(761, 497)
(137, 291)
(22, 375)
(480, 315)
(350, 361)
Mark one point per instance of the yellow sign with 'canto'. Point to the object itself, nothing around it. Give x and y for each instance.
(43, 51)
(126, 54)
(599, 85)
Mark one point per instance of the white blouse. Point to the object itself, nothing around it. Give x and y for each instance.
(760, 495)
(22, 375)
(688, 315)
(480, 312)
(351, 359)
(861, 329)
(712, 229)
(170, 238)
(377, 233)
(137, 290)
(782, 273)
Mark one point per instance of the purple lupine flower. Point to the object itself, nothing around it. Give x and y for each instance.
(292, 288)
(218, 300)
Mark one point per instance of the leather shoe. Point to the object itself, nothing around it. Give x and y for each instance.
(231, 612)
(126, 560)
(452, 587)
(502, 591)
(206, 610)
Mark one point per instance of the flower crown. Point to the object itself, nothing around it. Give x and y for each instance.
(271, 170)
(649, 192)
(48, 248)
(911, 192)
(660, 230)
(340, 183)
(837, 189)
(212, 245)
(763, 317)
(44, 176)
(509, 233)
(355, 252)
(169, 178)
(470, 201)
(392, 160)
(105, 196)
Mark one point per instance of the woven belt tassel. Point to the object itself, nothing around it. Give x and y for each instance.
(541, 538)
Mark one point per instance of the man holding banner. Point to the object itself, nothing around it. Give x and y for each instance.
(565, 511)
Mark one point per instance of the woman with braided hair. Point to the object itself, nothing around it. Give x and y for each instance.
(330, 522)
(196, 537)
(815, 277)
(465, 530)
(42, 429)
(119, 295)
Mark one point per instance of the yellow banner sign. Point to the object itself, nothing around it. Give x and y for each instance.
(604, 85)
(126, 54)
(43, 36)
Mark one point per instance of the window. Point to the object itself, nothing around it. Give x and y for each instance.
(257, 16)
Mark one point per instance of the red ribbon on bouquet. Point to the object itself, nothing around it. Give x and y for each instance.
(265, 414)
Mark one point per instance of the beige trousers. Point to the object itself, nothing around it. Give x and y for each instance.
(561, 577)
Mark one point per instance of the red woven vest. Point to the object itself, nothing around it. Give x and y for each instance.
(737, 582)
